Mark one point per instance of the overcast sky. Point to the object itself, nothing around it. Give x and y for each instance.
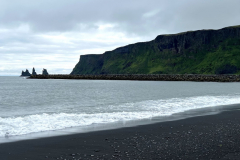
(53, 34)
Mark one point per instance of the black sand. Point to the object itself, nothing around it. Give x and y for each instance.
(204, 137)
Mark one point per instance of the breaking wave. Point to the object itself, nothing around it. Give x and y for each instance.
(20, 125)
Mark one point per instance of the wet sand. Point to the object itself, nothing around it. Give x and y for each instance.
(204, 137)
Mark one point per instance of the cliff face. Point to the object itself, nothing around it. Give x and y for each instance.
(193, 52)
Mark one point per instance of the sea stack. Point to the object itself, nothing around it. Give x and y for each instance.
(34, 72)
(44, 72)
(26, 73)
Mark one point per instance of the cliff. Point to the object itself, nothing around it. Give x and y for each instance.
(193, 52)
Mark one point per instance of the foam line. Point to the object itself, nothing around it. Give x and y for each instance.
(20, 125)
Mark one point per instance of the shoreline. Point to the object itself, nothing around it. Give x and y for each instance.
(203, 137)
(120, 124)
(146, 77)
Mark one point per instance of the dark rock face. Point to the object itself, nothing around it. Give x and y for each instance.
(34, 72)
(193, 52)
(44, 72)
(26, 73)
(226, 69)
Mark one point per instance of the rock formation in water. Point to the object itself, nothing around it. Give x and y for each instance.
(26, 73)
(192, 52)
(44, 72)
(34, 72)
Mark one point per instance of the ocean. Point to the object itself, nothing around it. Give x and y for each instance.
(31, 108)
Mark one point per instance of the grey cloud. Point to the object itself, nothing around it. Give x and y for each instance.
(26, 24)
(65, 15)
(173, 16)
(21, 44)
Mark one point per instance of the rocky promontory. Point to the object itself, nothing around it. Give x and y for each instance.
(192, 52)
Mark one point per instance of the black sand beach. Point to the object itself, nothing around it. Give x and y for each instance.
(203, 137)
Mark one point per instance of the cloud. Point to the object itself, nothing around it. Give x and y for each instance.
(150, 14)
(57, 51)
(61, 15)
(52, 34)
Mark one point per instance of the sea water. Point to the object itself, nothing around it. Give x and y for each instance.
(40, 105)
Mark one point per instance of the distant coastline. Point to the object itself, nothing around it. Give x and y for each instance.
(146, 77)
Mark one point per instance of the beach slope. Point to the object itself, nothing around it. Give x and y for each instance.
(204, 137)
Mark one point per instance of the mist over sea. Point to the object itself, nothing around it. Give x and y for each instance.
(35, 105)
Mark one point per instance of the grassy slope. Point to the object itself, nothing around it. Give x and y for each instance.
(149, 62)
(146, 58)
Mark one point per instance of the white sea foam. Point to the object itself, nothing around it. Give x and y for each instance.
(19, 125)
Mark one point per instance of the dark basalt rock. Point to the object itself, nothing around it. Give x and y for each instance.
(34, 72)
(26, 73)
(227, 69)
(146, 77)
(44, 72)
